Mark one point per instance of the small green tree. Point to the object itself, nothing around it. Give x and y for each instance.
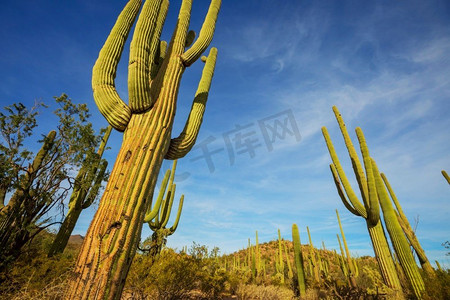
(41, 183)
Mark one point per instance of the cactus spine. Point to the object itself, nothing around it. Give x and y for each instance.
(350, 265)
(158, 217)
(298, 257)
(87, 184)
(398, 238)
(155, 72)
(370, 209)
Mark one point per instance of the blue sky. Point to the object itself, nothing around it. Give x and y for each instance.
(384, 64)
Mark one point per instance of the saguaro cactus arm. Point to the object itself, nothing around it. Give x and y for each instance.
(409, 232)
(356, 164)
(445, 176)
(399, 241)
(177, 219)
(181, 145)
(158, 217)
(116, 112)
(143, 49)
(341, 193)
(205, 36)
(152, 212)
(340, 171)
(93, 191)
(371, 203)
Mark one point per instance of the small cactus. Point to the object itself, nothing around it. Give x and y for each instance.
(158, 217)
(298, 256)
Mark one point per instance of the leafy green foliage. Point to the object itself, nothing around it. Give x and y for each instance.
(41, 181)
(16, 124)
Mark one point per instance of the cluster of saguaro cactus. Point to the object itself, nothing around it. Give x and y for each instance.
(369, 209)
(374, 194)
(155, 72)
(87, 184)
(157, 217)
(298, 257)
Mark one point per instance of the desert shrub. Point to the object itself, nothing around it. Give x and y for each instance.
(33, 275)
(260, 292)
(438, 287)
(197, 275)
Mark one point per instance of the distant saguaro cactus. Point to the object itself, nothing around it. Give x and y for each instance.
(280, 262)
(158, 217)
(155, 72)
(350, 265)
(298, 256)
(87, 184)
(313, 257)
(369, 210)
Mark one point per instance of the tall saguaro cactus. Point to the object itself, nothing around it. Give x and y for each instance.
(155, 72)
(409, 232)
(87, 184)
(398, 238)
(369, 209)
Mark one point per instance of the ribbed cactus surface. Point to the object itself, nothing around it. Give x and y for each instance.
(155, 71)
(369, 208)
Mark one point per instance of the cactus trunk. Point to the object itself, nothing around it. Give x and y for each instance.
(114, 234)
(409, 232)
(398, 238)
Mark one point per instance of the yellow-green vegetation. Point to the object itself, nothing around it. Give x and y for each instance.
(197, 272)
(33, 185)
